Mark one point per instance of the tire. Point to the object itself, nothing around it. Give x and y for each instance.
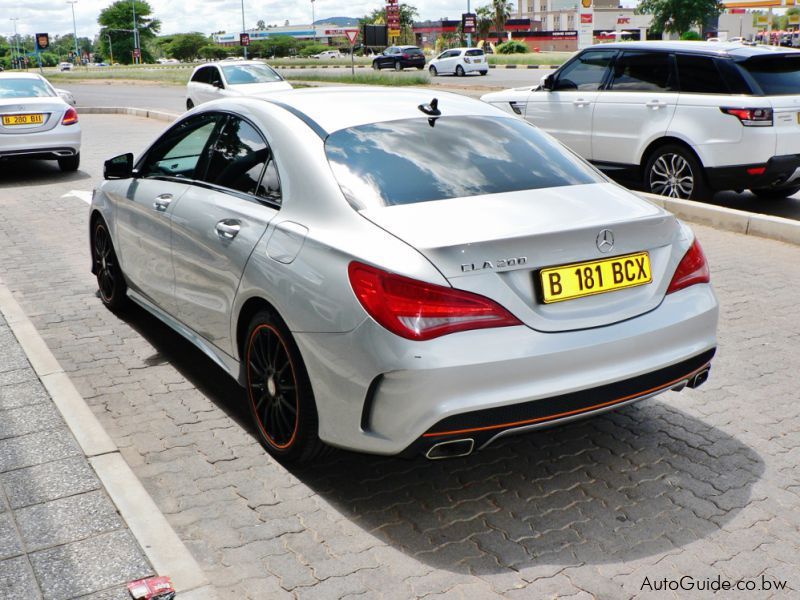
(484, 72)
(70, 163)
(674, 171)
(432, 70)
(189, 104)
(279, 394)
(110, 278)
(459, 71)
(420, 67)
(376, 65)
(776, 193)
(398, 66)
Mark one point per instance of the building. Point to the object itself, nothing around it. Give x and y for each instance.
(321, 32)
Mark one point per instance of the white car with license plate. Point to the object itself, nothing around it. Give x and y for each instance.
(399, 274)
(459, 61)
(36, 122)
(685, 119)
(232, 78)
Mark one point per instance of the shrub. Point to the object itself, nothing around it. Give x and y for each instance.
(691, 36)
(512, 47)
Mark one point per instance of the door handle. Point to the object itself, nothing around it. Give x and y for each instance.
(228, 229)
(162, 202)
(656, 104)
(581, 102)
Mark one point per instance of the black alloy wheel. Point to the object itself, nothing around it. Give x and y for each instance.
(460, 71)
(110, 279)
(376, 66)
(279, 395)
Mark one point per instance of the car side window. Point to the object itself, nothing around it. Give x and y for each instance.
(586, 73)
(699, 75)
(643, 72)
(201, 76)
(180, 151)
(214, 77)
(241, 160)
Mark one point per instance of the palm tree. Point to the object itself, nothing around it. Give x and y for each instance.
(484, 24)
(502, 11)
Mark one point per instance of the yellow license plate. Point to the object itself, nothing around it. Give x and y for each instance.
(595, 277)
(23, 119)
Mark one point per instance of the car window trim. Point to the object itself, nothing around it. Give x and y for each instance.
(143, 158)
(673, 68)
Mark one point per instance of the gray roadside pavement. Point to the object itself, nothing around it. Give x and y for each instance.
(61, 536)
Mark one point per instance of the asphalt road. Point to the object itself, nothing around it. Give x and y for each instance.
(702, 483)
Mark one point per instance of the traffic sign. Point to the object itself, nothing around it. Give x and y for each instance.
(352, 36)
(244, 39)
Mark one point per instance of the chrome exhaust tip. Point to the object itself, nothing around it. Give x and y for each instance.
(699, 379)
(450, 449)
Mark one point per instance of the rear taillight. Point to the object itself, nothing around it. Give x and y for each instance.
(751, 117)
(692, 269)
(406, 55)
(417, 310)
(70, 117)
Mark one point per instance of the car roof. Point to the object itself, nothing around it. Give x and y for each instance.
(18, 75)
(332, 108)
(228, 63)
(733, 49)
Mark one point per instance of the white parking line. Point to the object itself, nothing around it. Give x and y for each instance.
(83, 195)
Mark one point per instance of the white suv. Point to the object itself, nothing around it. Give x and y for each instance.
(683, 118)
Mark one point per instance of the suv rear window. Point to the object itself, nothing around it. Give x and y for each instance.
(777, 75)
(418, 160)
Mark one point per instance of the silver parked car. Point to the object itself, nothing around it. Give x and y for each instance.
(391, 273)
(37, 122)
(232, 78)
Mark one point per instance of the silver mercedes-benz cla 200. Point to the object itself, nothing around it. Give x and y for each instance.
(394, 273)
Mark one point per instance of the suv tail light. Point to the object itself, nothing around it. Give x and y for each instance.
(417, 310)
(406, 56)
(692, 269)
(70, 117)
(751, 117)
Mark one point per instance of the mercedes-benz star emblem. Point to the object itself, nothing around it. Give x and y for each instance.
(605, 241)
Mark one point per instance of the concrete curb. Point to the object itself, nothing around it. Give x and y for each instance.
(166, 552)
(524, 66)
(730, 219)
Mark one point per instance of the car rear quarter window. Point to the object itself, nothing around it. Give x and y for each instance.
(777, 75)
(413, 51)
(643, 72)
(419, 160)
(699, 75)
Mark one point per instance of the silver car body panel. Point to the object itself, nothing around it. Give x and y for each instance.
(295, 258)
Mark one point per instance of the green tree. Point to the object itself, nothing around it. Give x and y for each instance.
(213, 52)
(678, 16)
(484, 24)
(186, 46)
(502, 12)
(277, 46)
(117, 20)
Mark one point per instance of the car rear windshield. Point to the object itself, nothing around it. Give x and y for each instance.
(244, 74)
(414, 51)
(24, 88)
(474, 52)
(418, 160)
(777, 75)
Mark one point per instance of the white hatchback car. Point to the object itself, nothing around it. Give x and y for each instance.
(36, 122)
(459, 61)
(230, 78)
(683, 118)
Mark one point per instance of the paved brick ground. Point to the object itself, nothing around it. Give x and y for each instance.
(704, 483)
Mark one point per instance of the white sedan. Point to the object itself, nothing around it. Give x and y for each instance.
(231, 78)
(35, 121)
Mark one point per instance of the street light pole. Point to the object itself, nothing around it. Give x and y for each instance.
(313, 20)
(135, 35)
(72, 3)
(16, 42)
(244, 30)
(469, 35)
(110, 50)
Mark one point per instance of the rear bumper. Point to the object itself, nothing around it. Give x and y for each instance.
(382, 394)
(779, 171)
(58, 142)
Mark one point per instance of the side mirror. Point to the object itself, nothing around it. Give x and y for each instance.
(546, 83)
(119, 167)
(217, 83)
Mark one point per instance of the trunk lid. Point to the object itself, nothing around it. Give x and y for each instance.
(495, 245)
(51, 109)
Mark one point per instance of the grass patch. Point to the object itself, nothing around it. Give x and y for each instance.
(169, 76)
(532, 58)
(368, 78)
